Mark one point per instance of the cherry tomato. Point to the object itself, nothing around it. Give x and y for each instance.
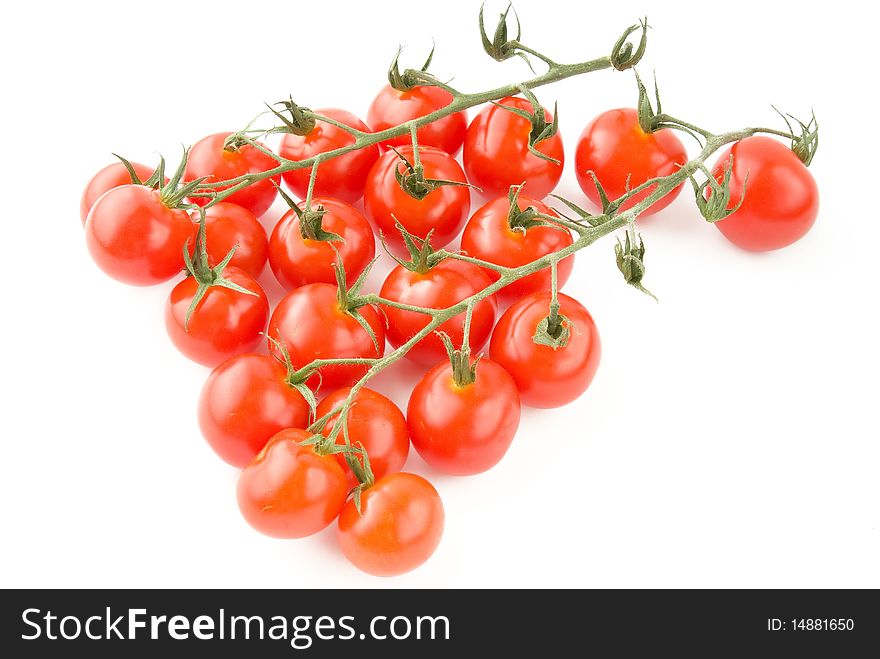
(207, 157)
(546, 376)
(289, 490)
(227, 226)
(391, 108)
(496, 152)
(225, 322)
(297, 261)
(309, 322)
(398, 528)
(446, 284)
(444, 209)
(782, 200)
(618, 151)
(376, 423)
(463, 430)
(245, 401)
(112, 176)
(135, 238)
(341, 177)
(489, 237)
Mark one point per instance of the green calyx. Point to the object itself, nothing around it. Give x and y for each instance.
(464, 372)
(412, 179)
(422, 256)
(715, 205)
(310, 220)
(295, 378)
(541, 130)
(554, 330)
(155, 180)
(523, 219)
(295, 119)
(649, 120)
(205, 276)
(405, 81)
(624, 55)
(172, 193)
(350, 300)
(500, 47)
(630, 258)
(804, 145)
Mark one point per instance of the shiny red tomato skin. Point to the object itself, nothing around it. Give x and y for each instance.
(244, 402)
(288, 490)
(446, 284)
(391, 108)
(207, 157)
(297, 261)
(398, 528)
(229, 225)
(496, 153)
(488, 237)
(546, 377)
(444, 210)
(112, 176)
(615, 147)
(375, 422)
(135, 238)
(463, 430)
(782, 199)
(311, 325)
(341, 177)
(225, 322)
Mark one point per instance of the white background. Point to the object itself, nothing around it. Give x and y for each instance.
(729, 439)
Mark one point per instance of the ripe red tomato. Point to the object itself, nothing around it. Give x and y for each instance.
(446, 284)
(391, 108)
(245, 401)
(112, 176)
(398, 528)
(546, 376)
(310, 323)
(617, 150)
(341, 177)
(289, 490)
(135, 238)
(782, 200)
(496, 152)
(488, 236)
(297, 261)
(225, 322)
(375, 422)
(207, 157)
(228, 226)
(444, 209)
(463, 430)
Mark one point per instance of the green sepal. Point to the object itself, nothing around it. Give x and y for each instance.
(348, 298)
(414, 183)
(310, 220)
(540, 130)
(400, 81)
(544, 336)
(301, 121)
(523, 219)
(464, 372)
(623, 56)
(630, 257)
(714, 207)
(804, 145)
(135, 179)
(583, 215)
(500, 47)
(648, 121)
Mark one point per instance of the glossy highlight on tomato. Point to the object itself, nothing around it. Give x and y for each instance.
(229, 225)
(496, 153)
(447, 283)
(341, 177)
(463, 430)
(547, 376)
(112, 176)
(781, 197)
(620, 153)
(392, 107)
(297, 261)
(208, 157)
(397, 529)
(244, 402)
(289, 490)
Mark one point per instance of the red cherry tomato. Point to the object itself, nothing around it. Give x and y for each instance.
(228, 226)
(112, 176)
(341, 177)
(446, 284)
(782, 200)
(207, 157)
(463, 430)
(617, 150)
(496, 152)
(375, 422)
(135, 238)
(309, 322)
(391, 108)
(546, 376)
(398, 528)
(245, 401)
(444, 209)
(489, 237)
(225, 322)
(297, 261)
(289, 490)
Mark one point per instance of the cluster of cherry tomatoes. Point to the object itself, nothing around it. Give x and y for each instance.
(144, 228)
